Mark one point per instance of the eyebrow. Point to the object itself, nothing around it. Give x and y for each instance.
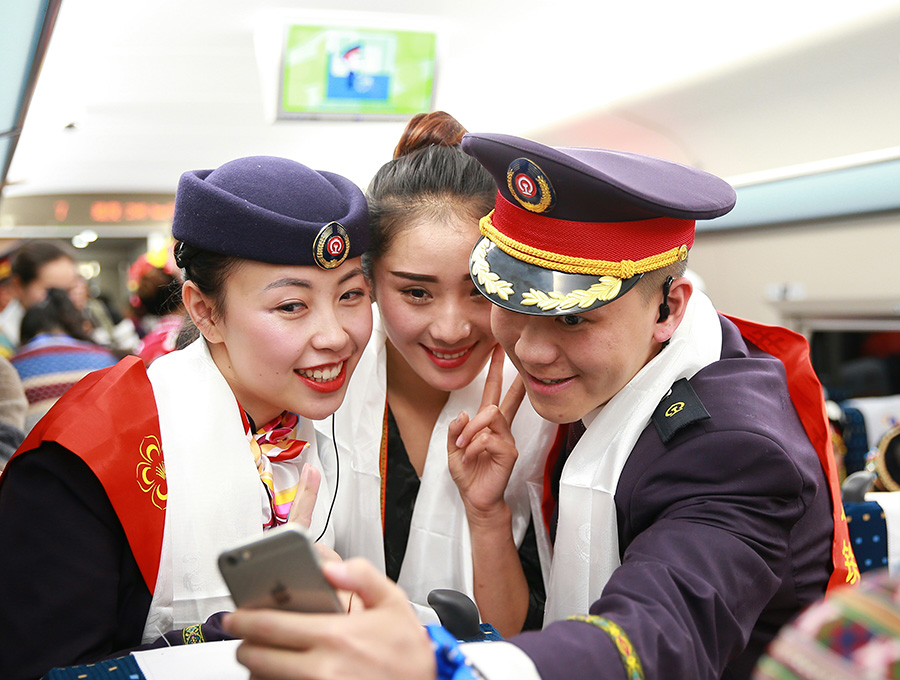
(303, 283)
(424, 278)
(349, 275)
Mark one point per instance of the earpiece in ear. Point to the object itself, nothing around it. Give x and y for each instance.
(664, 307)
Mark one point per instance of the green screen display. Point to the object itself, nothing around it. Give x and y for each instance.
(353, 72)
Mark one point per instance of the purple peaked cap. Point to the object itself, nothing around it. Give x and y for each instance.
(576, 228)
(600, 185)
(272, 210)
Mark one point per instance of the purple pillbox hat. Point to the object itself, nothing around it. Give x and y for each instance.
(272, 210)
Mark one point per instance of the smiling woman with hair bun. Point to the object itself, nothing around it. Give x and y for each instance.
(426, 363)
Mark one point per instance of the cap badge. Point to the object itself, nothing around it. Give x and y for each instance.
(331, 245)
(529, 186)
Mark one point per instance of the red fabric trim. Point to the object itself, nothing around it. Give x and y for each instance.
(609, 241)
(105, 420)
(61, 349)
(382, 462)
(792, 350)
(548, 503)
(36, 394)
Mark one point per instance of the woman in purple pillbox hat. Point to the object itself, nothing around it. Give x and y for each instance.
(143, 476)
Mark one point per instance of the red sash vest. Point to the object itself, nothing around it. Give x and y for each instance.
(109, 420)
(792, 350)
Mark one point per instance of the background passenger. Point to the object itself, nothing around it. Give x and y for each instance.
(56, 353)
(38, 266)
(10, 316)
(13, 406)
(154, 284)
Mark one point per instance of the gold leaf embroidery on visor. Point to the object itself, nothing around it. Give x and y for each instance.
(481, 270)
(607, 287)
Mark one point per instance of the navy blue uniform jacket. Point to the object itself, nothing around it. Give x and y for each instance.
(725, 533)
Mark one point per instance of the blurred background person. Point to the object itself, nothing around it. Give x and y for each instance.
(39, 265)
(106, 325)
(853, 634)
(13, 406)
(7, 346)
(56, 352)
(154, 286)
(36, 267)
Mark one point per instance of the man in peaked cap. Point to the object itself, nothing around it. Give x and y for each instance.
(699, 510)
(713, 517)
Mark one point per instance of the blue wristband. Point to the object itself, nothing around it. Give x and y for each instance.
(452, 664)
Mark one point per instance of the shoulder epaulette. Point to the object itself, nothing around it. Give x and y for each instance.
(680, 408)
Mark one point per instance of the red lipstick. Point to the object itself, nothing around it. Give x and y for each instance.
(329, 385)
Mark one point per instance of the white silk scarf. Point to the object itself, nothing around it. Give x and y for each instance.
(216, 499)
(439, 551)
(586, 551)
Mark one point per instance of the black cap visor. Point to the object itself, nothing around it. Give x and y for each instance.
(526, 288)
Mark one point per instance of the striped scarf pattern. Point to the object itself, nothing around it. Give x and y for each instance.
(273, 445)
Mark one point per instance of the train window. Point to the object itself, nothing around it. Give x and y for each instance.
(854, 364)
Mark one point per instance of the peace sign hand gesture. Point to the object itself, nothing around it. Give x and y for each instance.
(482, 450)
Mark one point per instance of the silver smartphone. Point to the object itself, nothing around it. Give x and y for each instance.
(280, 570)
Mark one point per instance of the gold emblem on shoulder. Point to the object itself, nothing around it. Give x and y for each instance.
(674, 408)
(151, 472)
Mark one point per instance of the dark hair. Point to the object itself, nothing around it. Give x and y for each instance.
(54, 314)
(159, 292)
(30, 257)
(437, 128)
(651, 283)
(207, 270)
(429, 177)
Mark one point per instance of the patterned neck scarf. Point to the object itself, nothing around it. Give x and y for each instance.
(275, 449)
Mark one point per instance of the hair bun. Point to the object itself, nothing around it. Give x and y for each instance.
(437, 128)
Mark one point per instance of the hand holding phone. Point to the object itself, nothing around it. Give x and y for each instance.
(280, 570)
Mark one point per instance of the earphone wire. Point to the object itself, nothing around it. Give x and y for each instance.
(337, 479)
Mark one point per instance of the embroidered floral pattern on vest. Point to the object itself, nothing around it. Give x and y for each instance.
(151, 472)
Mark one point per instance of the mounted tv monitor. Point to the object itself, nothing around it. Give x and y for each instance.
(334, 72)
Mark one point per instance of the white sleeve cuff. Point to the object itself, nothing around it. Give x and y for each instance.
(187, 662)
(426, 614)
(500, 661)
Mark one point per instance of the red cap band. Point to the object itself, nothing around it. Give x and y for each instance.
(608, 241)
